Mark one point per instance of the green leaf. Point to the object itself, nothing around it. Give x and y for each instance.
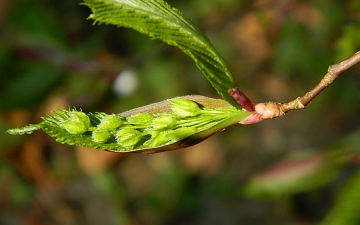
(303, 170)
(347, 203)
(29, 129)
(300, 172)
(160, 21)
(148, 129)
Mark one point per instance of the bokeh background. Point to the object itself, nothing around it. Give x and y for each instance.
(298, 169)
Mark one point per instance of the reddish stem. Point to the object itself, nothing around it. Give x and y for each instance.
(241, 99)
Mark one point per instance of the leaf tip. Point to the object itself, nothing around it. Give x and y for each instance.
(29, 129)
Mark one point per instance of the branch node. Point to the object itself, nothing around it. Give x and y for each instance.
(295, 104)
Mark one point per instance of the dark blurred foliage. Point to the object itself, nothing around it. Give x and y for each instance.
(52, 57)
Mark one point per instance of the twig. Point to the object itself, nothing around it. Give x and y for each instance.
(272, 110)
(334, 72)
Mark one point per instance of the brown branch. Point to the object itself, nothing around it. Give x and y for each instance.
(272, 110)
(334, 72)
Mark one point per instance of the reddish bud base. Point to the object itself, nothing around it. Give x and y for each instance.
(241, 99)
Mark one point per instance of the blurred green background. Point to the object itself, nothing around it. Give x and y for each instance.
(302, 168)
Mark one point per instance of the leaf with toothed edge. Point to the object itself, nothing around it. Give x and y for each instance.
(168, 125)
(149, 129)
(160, 21)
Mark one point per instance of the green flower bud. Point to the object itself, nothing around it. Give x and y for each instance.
(128, 137)
(157, 139)
(101, 136)
(163, 122)
(141, 118)
(181, 133)
(79, 116)
(110, 122)
(74, 127)
(183, 107)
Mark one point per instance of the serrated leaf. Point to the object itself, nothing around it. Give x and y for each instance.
(160, 21)
(68, 126)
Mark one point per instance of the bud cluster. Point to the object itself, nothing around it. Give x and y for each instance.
(144, 130)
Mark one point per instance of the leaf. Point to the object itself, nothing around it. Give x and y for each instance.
(160, 21)
(149, 129)
(292, 175)
(303, 170)
(347, 202)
